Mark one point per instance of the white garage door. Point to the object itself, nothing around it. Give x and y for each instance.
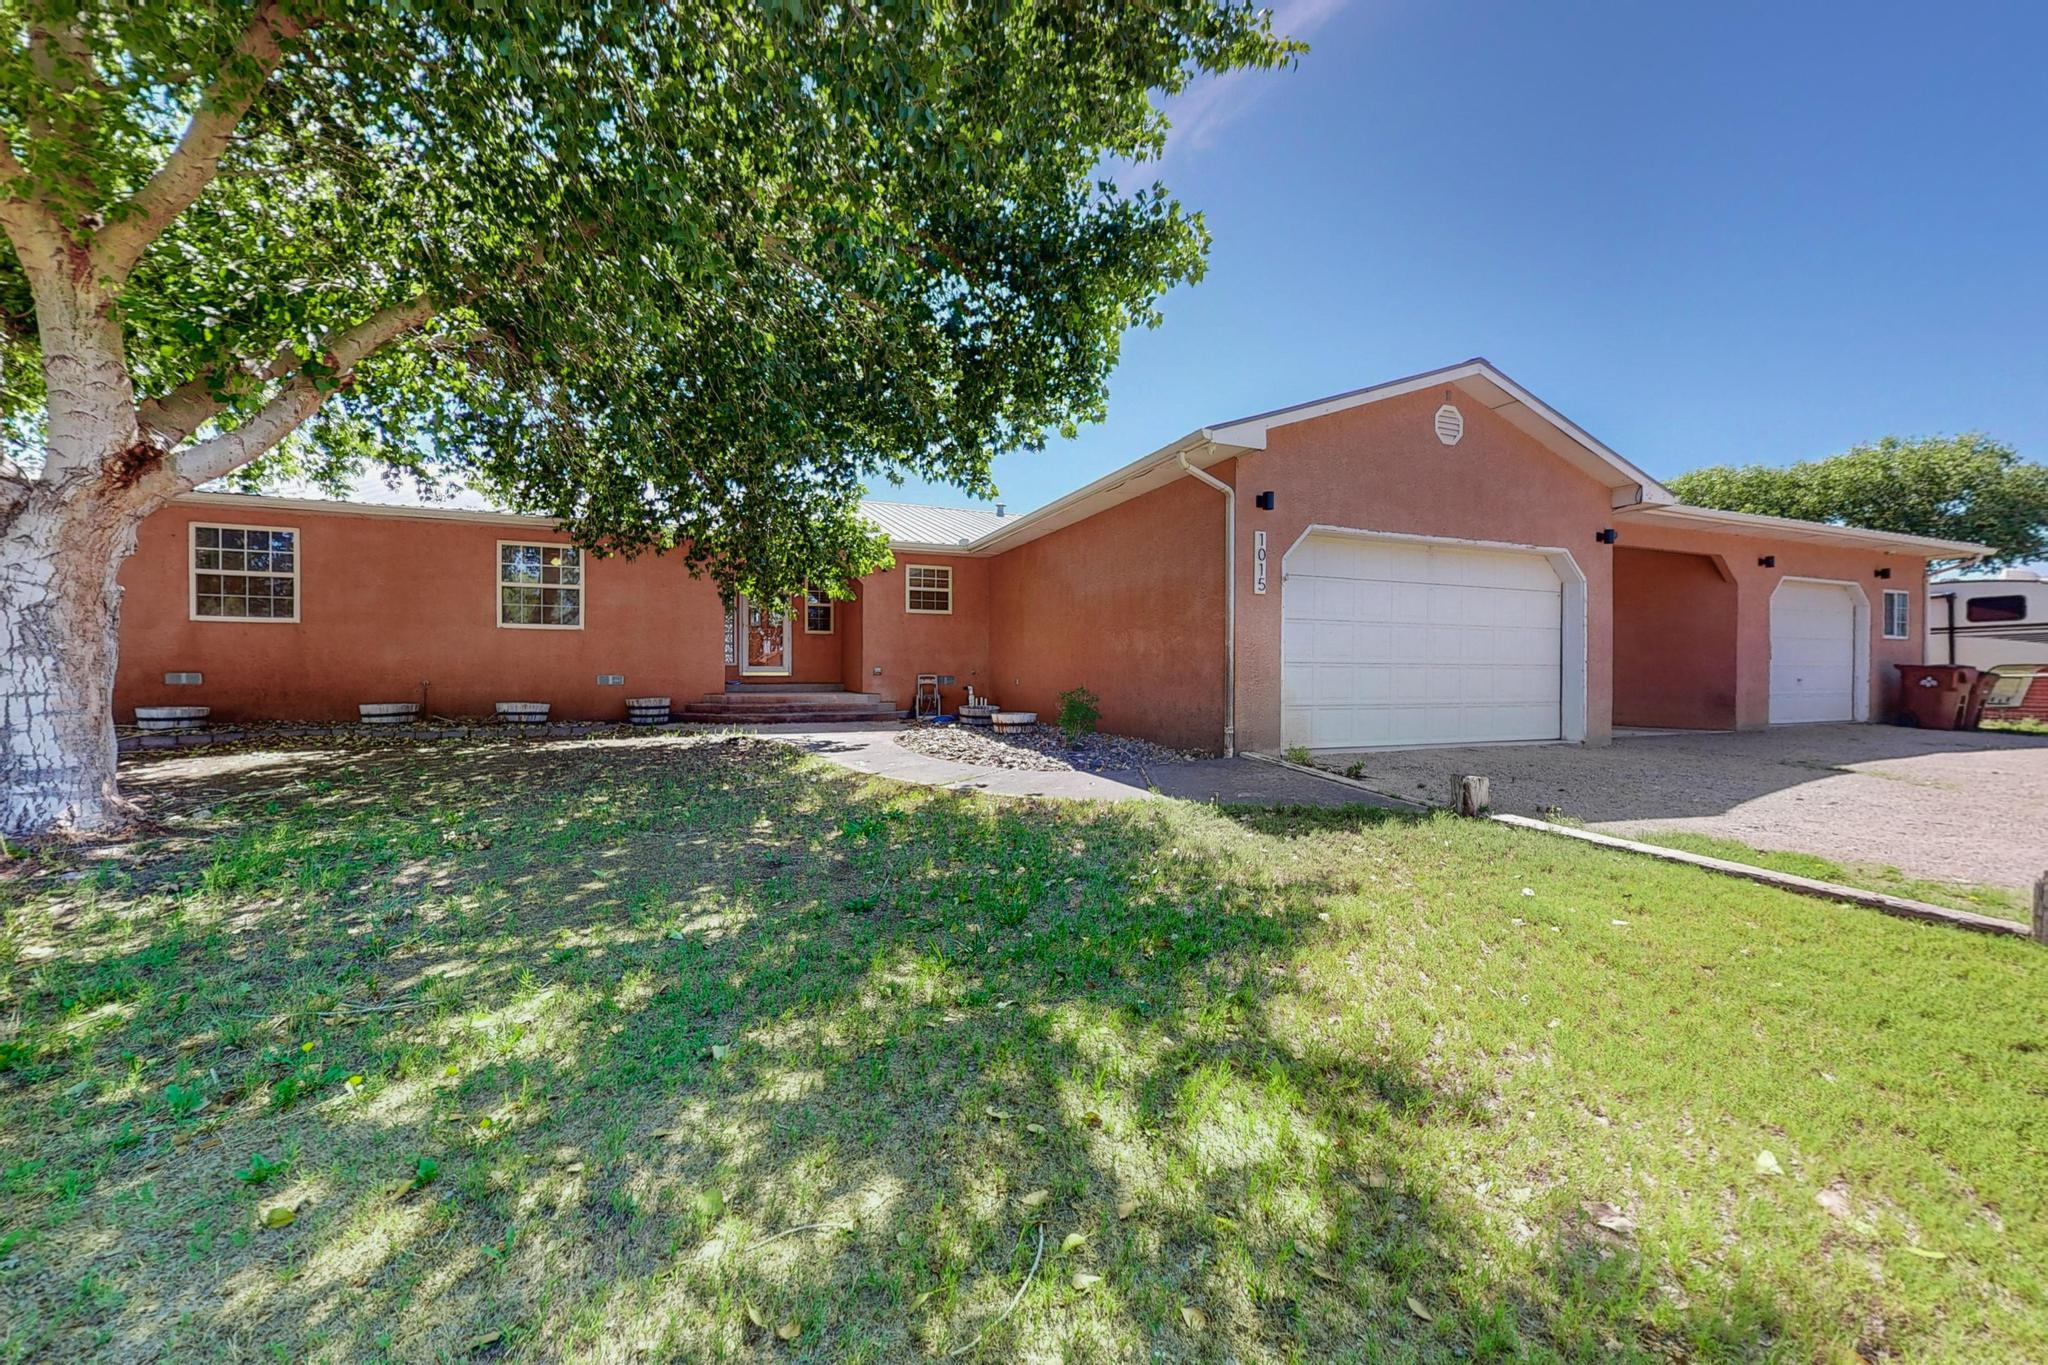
(1813, 653)
(1385, 642)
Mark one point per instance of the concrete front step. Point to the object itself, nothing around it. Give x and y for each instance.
(768, 697)
(834, 715)
(778, 689)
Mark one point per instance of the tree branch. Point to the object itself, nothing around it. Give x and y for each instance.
(192, 164)
(37, 236)
(221, 455)
(170, 420)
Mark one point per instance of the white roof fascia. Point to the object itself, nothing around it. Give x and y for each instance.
(1818, 532)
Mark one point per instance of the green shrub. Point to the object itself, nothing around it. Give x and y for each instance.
(1080, 710)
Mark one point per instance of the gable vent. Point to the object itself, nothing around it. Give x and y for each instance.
(1450, 424)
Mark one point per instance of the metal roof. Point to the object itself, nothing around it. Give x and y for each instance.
(910, 523)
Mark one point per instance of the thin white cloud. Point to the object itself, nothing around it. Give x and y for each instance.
(1200, 113)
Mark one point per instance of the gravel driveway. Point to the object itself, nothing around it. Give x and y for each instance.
(1961, 807)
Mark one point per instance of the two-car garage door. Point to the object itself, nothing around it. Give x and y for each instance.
(1397, 642)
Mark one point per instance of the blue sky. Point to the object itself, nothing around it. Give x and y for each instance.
(1706, 233)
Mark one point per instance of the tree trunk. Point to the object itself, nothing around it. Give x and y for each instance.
(59, 619)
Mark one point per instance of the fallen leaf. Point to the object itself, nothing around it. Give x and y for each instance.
(1325, 1274)
(789, 1331)
(997, 1114)
(1126, 1209)
(711, 1204)
(1195, 1318)
(1083, 1280)
(1415, 1307)
(757, 1317)
(278, 1216)
(574, 1168)
(1609, 1217)
(1035, 1128)
(922, 1299)
(1304, 1250)
(904, 1239)
(1073, 1240)
(1927, 1253)
(1004, 1004)
(482, 1341)
(1767, 1163)
(1835, 1200)
(1034, 1199)
(720, 1051)
(1376, 1180)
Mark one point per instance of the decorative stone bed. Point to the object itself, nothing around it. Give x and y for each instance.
(1038, 748)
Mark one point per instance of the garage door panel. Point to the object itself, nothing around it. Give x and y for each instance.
(1814, 645)
(1389, 643)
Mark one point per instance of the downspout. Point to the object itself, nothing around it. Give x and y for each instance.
(1229, 601)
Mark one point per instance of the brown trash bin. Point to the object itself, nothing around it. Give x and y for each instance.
(1936, 696)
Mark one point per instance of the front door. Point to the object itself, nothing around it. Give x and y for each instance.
(764, 639)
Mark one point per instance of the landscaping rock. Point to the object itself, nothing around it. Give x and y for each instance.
(1037, 748)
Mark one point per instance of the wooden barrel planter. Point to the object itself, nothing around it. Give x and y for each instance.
(171, 719)
(523, 712)
(647, 710)
(978, 714)
(389, 712)
(1009, 722)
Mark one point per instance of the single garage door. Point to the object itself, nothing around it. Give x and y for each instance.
(1391, 642)
(1813, 653)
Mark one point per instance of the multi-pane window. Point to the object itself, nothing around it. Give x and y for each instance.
(245, 573)
(1897, 614)
(817, 614)
(928, 588)
(540, 586)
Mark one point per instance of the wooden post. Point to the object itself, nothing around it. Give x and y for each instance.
(2041, 908)
(1476, 798)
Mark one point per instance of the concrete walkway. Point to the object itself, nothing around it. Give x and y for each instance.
(1232, 781)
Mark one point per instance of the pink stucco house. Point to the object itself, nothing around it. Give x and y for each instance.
(1439, 559)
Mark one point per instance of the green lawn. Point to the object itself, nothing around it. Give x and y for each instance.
(1996, 901)
(668, 1049)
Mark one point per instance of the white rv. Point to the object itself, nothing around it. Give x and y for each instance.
(1999, 625)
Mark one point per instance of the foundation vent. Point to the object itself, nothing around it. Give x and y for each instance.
(1450, 425)
(183, 679)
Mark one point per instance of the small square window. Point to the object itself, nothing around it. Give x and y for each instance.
(928, 589)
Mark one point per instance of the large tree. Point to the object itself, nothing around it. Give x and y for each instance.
(1967, 487)
(683, 274)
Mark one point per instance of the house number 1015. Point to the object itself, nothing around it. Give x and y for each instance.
(1258, 561)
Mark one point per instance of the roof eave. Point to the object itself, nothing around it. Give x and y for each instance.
(1854, 537)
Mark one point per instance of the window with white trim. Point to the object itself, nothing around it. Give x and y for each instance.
(245, 573)
(928, 589)
(817, 613)
(540, 587)
(1897, 614)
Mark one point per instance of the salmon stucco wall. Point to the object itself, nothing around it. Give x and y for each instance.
(897, 644)
(1674, 640)
(1380, 467)
(404, 608)
(1755, 582)
(1129, 604)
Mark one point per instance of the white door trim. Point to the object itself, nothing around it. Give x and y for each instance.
(1859, 645)
(747, 669)
(1571, 580)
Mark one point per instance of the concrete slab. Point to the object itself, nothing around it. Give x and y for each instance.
(1231, 781)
